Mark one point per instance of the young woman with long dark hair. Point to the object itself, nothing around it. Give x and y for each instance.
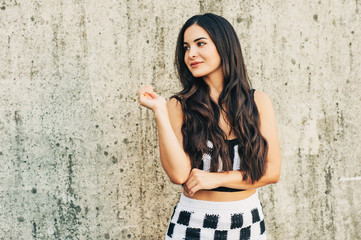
(217, 137)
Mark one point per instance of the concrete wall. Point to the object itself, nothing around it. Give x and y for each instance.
(79, 156)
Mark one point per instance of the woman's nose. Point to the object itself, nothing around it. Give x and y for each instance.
(192, 52)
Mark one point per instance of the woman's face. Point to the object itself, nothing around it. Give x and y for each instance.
(201, 55)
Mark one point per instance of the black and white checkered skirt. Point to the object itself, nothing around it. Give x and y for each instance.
(205, 220)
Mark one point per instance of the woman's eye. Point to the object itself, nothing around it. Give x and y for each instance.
(186, 48)
(201, 44)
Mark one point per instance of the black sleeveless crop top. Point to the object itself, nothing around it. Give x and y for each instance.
(233, 152)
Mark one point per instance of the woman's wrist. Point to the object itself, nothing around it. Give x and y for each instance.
(222, 176)
(230, 178)
(160, 111)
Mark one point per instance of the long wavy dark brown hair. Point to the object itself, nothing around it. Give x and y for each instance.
(202, 114)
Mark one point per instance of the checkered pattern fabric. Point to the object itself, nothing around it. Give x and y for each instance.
(202, 220)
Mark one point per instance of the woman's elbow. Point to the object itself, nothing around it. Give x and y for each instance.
(179, 180)
(274, 172)
(275, 177)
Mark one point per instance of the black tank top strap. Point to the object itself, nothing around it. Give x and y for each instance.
(177, 97)
(252, 92)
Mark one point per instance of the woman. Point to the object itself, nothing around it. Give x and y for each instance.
(217, 137)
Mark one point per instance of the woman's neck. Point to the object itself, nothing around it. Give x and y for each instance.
(215, 83)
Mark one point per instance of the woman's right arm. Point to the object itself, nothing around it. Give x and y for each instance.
(169, 118)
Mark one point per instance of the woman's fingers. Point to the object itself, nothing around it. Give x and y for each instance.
(194, 189)
(186, 186)
(152, 93)
(192, 186)
(146, 92)
(147, 88)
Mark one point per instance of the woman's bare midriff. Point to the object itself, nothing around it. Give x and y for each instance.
(221, 196)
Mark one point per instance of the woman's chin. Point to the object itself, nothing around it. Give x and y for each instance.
(197, 75)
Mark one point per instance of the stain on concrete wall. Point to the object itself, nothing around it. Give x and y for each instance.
(79, 157)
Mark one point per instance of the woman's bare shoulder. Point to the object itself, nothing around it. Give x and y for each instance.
(263, 102)
(174, 102)
(174, 105)
(175, 111)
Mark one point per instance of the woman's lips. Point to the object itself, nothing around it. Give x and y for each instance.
(195, 64)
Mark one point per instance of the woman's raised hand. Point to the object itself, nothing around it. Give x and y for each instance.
(150, 99)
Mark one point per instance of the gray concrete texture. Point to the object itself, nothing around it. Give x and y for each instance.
(79, 156)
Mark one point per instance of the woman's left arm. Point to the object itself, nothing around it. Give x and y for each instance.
(199, 179)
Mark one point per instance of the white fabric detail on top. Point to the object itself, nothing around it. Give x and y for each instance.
(207, 158)
(209, 144)
(236, 159)
(206, 162)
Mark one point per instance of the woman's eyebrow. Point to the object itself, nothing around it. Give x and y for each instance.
(197, 39)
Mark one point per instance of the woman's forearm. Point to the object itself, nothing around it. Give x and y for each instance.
(174, 160)
(234, 179)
